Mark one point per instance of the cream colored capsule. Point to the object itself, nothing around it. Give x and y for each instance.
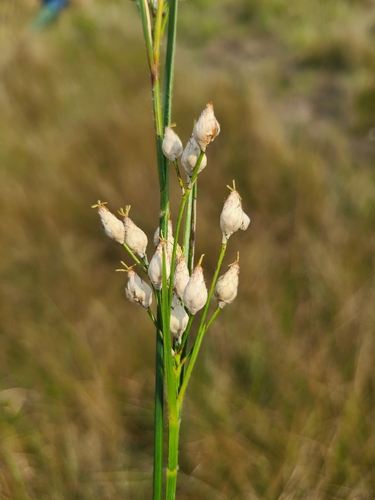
(206, 128)
(227, 285)
(195, 293)
(138, 290)
(172, 145)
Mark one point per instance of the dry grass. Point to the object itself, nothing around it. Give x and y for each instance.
(282, 403)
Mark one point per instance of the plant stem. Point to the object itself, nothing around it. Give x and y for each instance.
(202, 329)
(174, 430)
(158, 419)
(169, 63)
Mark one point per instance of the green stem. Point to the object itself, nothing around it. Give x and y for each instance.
(193, 227)
(158, 419)
(179, 219)
(202, 328)
(187, 229)
(174, 430)
(169, 62)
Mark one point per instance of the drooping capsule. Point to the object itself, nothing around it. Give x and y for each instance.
(113, 227)
(135, 238)
(138, 290)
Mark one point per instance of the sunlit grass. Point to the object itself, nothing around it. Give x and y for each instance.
(282, 405)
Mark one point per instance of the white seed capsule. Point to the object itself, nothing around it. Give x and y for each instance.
(172, 145)
(206, 128)
(245, 222)
(181, 276)
(227, 285)
(195, 294)
(135, 238)
(113, 227)
(232, 217)
(190, 156)
(155, 268)
(179, 318)
(138, 290)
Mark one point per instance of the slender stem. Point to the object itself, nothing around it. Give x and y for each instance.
(180, 181)
(174, 429)
(146, 26)
(179, 219)
(135, 258)
(158, 419)
(193, 227)
(169, 62)
(202, 328)
(187, 228)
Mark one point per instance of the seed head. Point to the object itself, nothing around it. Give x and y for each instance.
(179, 318)
(172, 145)
(181, 276)
(155, 268)
(206, 128)
(232, 217)
(195, 294)
(135, 238)
(190, 156)
(227, 285)
(113, 227)
(138, 290)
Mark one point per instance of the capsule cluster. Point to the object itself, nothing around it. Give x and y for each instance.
(190, 292)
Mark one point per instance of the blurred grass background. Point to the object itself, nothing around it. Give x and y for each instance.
(281, 405)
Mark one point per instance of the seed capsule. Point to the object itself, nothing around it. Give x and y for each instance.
(179, 319)
(135, 238)
(172, 145)
(155, 268)
(206, 128)
(190, 156)
(113, 227)
(232, 217)
(195, 294)
(227, 285)
(138, 290)
(181, 276)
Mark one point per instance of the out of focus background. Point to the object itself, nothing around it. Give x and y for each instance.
(281, 405)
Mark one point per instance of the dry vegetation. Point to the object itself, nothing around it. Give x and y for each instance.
(282, 402)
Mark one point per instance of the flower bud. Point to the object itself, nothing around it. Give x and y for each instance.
(227, 285)
(195, 294)
(155, 268)
(138, 290)
(179, 318)
(113, 227)
(172, 145)
(135, 238)
(190, 156)
(232, 217)
(206, 128)
(181, 276)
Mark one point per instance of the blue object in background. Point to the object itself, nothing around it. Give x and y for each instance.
(48, 13)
